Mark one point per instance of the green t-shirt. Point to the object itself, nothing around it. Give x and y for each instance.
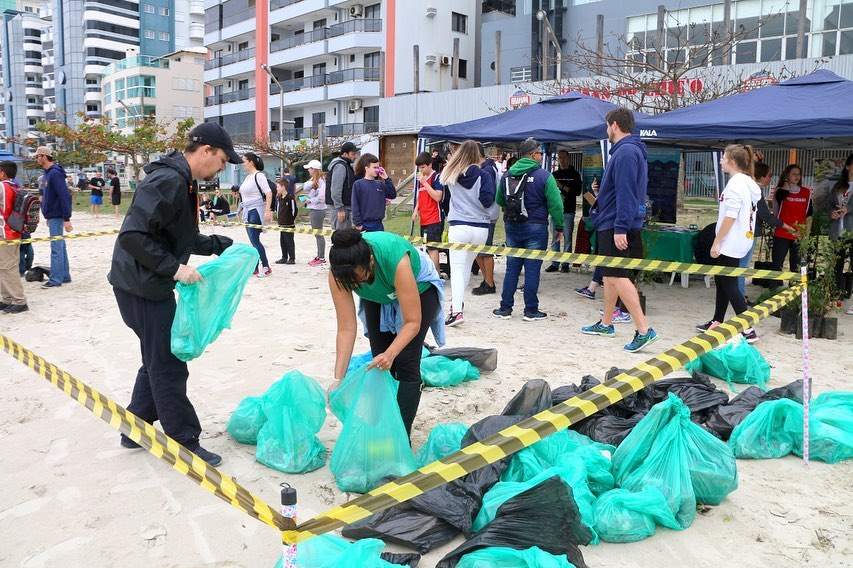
(388, 249)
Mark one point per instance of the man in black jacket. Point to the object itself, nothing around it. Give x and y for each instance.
(158, 234)
(339, 182)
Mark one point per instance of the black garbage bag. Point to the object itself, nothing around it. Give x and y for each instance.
(562, 394)
(545, 516)
(725, 417)
(402, 558)
(697, 392)
(484, 359)
(607, 428)
(403, 524)
(534, 397)
(459, 501)
(793, 390)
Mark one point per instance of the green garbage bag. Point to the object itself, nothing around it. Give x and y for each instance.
(360, 361)
(330, 551)
(572, 473)
(831, 427)
(687, 464)
(773, 430)
(735, 362)
(246, 421)
(443, 440)
(295, 408)
(206, 308)
(623, 516)
(438, 371)
(502, 557)
(373, 442)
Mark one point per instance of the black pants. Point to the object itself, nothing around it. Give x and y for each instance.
(160, 392)
(728, 291)
(288, 246)
(786, 247)
(407, 365)
(843, 255)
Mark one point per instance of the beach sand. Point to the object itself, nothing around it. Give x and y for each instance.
(73, 497)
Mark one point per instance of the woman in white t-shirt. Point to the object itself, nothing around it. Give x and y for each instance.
(256, 196)
(735, 231)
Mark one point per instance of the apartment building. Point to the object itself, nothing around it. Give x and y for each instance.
(334, 60)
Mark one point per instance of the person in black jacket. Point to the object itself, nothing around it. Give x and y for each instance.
(158, 234)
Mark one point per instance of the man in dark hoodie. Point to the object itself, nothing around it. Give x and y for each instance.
(158, 234)
(618, 216)
(339, 182)
(56, 208)
(541, 198)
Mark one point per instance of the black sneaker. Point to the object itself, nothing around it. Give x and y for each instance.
(16, 309)
(564, 268)
(128, 443)
(484, 289)
(211, 458)
(3, 306)
(281, 261)
(552, 268)
(502, 313)
(534, 316)
(703, 327)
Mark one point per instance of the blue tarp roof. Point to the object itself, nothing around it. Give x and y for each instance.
(570, 117)
(811, 111)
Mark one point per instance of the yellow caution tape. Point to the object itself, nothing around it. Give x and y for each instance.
(568, 257)
(539, 426)
(58, 237)
(153, 440)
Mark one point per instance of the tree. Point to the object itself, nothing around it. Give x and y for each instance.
(294, 152)
(678, 64)
(99, 136)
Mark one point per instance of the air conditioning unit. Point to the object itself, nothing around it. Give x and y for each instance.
(355, 105)
(356, 11)
(445, 60)
(431, 59)
(431, 12)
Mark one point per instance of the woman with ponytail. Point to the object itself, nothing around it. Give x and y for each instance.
(401, 296)
(840, 208)
(735, 231)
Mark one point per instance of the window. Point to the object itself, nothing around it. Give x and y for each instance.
(150, 34)
(164, 36)
(184, 111)
(371, 117)
(319, 24)
(91, 108)
(319, 69)
(463, 68)
(242, 46)
(459, 23)
(299, 122)
(371, 60)
(520, 74)
(373, 12)
(185, 84)
(318, 118)
(503, 6)
(164, 11)
(149, 8)
(108, 93)
(243, 85)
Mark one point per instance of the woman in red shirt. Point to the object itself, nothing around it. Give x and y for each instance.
(792, 205)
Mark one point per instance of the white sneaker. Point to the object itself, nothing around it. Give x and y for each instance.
(849, 311)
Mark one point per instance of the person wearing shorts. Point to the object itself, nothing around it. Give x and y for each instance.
(115, 191)
(96, 184)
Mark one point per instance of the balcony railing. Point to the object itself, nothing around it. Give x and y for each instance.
(355, 74)
(353, 26)
(300, 83)
(354, 129)
(276, 4)
(235, 57)
(233, 96)
(216, 25)
(299, 39)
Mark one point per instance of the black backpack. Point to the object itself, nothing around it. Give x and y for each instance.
(513, 188)
(24, 217)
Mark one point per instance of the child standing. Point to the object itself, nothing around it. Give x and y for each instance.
(369, 195)
(316, 203)
(287, 209)
(427, 212)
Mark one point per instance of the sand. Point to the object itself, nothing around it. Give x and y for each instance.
(73, 497)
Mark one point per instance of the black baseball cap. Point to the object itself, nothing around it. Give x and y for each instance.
(349, 147)
(214, 135)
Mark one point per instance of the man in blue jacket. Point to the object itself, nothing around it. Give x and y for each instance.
(618, 216)
(56, 208)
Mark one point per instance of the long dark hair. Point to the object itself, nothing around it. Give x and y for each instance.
(256, 160)
(844, 182)
(783, 177)
(349, 253)
(363, 161)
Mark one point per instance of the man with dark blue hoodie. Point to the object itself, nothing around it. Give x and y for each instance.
(618, 216)
(56, 208)
(157, 237)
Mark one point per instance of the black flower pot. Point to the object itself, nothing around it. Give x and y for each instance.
(830, 328)
(790, 321)
(815, 327)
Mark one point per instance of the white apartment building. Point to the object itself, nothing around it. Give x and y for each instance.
(334, 60)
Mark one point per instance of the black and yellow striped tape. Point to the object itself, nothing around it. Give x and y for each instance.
(156, 442)
(58, 237)
(569, 257)
(530, 431)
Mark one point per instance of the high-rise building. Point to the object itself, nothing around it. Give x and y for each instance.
(334, 60)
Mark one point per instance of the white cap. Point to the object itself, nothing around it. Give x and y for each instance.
(314, 164)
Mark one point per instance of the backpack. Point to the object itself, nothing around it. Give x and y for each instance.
(24, 217)
(513, 190)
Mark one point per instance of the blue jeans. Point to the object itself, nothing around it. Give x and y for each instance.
(529, 236)
(59, 270)
(255, 236)
(372, 226)
(26, 256)
(568, 233)
(744, 263)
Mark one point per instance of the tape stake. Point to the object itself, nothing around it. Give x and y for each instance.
(804, 282)
(153, 440)
(528, 432)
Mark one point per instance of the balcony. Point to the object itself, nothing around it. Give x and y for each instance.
(233, 96)
(356, 74)
(196, 7)
(282, 11)
(299, 39)
(354, 26)
(229, 59)
(276, 4)
(230, 27)
(358, 83)
(348, 130)
(300, 83)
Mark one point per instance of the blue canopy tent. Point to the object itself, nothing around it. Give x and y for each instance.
(808, 112)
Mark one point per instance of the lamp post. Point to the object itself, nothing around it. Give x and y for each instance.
(542, 16)
(266, 68)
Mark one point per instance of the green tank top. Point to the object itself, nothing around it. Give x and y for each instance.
(388, 249)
